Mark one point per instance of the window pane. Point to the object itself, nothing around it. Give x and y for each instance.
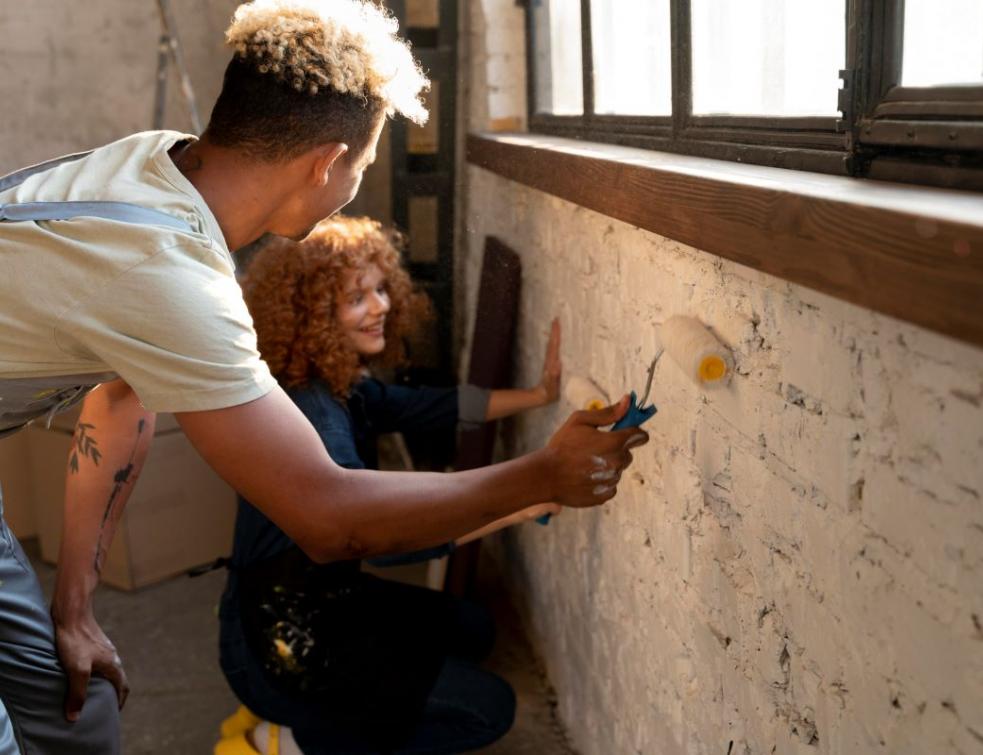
(632, 57)
(943, 42)
(425, 139)
(423, 14)
(767, 57)
(558, 63)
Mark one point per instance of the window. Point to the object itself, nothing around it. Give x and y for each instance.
(942, 48)
(888, 89)
(558, 78)
(630, 42)
(767, 57)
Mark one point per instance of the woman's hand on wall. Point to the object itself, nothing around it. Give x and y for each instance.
(506, 402)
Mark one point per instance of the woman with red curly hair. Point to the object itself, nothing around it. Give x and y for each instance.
(349, 662)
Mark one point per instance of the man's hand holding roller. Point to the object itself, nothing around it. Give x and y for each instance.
(589, 462)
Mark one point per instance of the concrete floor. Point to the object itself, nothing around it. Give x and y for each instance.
(167, 637)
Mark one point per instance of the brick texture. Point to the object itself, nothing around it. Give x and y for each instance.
(793, 564)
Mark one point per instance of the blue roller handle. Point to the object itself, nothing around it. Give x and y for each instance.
(636, 416)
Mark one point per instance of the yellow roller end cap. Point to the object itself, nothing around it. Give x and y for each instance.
(594, 404)
(712, 368)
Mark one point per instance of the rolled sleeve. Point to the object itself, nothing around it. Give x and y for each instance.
(472, 405)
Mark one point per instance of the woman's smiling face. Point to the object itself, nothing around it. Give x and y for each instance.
(363, 308)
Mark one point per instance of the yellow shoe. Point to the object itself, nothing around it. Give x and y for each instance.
(237, 745)
(240, 745)
(239, 722)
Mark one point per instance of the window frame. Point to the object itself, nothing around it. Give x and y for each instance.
(885, 130)
(930, 135)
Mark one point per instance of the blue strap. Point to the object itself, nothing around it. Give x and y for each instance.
(123, 212)
(18, 177)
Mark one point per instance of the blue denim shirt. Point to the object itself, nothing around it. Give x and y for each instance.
(348, 431)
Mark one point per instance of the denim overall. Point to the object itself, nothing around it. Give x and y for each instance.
(32, 683)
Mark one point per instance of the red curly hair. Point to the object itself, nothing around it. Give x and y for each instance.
(293, 289)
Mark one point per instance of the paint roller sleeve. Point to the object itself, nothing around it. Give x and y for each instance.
(696, 350)
(582, 393)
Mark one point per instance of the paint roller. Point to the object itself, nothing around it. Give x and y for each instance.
(583, 393)
(694, 349)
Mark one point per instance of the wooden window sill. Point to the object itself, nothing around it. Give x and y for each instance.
(911, 252)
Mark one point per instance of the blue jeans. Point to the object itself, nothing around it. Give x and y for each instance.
(467, 707)
(32, 682)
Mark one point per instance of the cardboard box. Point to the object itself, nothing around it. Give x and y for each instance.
(180, 514)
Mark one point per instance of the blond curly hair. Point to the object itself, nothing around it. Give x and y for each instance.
(293, 289)
(349, 46)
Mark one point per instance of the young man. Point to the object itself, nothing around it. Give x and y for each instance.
(115, 270)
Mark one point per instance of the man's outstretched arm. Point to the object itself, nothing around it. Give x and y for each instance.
(108, 450)
(268, 451)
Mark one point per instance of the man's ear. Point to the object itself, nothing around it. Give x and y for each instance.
(325, 158)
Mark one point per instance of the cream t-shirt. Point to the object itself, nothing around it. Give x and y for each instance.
(160, 307)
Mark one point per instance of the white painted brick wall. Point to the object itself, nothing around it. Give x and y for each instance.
(787, 557)
(795, 564)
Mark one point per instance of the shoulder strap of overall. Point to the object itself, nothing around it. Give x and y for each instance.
(123, 212)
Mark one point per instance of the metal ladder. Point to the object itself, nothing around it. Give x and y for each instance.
(168, 51)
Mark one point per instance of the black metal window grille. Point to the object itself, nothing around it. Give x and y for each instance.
(927, 134)
(423, 165)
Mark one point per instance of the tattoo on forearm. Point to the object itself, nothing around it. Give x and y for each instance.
(120, 479)
(85, 445)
